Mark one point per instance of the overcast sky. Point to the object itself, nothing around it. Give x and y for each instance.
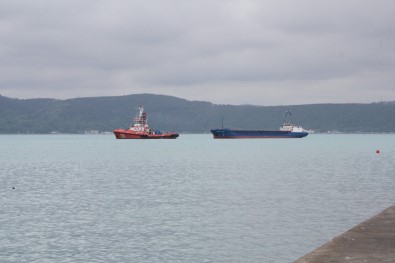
(224, 51)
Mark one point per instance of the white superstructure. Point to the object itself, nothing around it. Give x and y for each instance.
(288, 126)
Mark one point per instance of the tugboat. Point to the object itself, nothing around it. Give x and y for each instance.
(287, 130)
(141, 130)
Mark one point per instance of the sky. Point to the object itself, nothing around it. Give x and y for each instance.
(282, 52)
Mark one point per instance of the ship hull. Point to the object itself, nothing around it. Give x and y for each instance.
(255, 134)
(128, 134)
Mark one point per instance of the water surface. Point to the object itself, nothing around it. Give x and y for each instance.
(92, 198)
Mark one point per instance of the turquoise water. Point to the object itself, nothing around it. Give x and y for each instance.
(92, 198)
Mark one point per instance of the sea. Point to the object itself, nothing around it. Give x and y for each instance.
(92, 198)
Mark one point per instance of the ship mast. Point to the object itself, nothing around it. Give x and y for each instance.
(287, 112)
(141, 119)
(143, 116)
(141, 111)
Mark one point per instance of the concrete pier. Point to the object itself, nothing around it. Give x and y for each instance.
(370, 241)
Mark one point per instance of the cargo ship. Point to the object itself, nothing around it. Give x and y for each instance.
(141, 130)
(287, 130)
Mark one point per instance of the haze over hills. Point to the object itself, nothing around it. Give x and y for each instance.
(169, 113)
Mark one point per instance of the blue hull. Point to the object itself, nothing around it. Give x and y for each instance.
(240, 134)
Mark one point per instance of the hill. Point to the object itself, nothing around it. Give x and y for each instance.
(179, 115)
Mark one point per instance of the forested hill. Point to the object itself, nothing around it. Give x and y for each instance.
(179, 115)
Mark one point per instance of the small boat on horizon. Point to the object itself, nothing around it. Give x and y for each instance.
(141, 130)
(287, 130)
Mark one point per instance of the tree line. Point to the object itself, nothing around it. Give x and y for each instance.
(167, 113)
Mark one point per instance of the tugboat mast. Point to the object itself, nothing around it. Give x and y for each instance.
(141, 119)
(141, 109)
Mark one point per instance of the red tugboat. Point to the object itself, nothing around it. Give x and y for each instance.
(141, 130)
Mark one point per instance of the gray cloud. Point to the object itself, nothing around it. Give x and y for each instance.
(236, 52)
